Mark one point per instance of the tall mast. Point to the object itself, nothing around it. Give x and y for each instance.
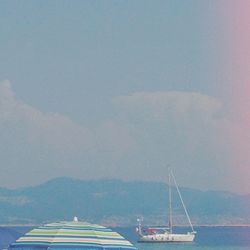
(190, 223)
(170, 202)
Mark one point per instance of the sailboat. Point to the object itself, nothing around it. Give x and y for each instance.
(166, 234)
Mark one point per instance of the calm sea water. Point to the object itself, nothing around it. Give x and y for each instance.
(214, 238)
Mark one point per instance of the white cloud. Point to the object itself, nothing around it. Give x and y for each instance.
(150, 130)
(55, 131)
(185, 129)
(156, 105)
(45, 145)
(186, 114)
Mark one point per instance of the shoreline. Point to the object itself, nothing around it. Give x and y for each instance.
(201, 225)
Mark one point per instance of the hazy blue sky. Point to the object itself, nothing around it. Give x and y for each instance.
(113, 89)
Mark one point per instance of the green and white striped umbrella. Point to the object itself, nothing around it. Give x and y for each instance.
(73, 235)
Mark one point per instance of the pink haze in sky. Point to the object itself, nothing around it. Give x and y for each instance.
(236, 36)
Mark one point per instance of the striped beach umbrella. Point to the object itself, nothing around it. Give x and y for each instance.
(71, 235)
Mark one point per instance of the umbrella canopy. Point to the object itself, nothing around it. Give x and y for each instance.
(73, 235)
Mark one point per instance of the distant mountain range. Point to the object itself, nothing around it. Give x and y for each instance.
(118, 203)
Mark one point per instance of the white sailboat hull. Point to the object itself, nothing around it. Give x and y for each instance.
(165, 234)
(167, 237)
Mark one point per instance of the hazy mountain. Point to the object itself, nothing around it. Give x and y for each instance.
(115, 202)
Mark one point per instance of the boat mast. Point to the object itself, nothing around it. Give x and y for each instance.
(170, 202)
(138, 228)
(182, 202)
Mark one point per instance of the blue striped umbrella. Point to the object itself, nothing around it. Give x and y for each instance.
(73, 235)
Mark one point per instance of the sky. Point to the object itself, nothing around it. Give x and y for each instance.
(124, 89)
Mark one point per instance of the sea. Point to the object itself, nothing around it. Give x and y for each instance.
(208, 237)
